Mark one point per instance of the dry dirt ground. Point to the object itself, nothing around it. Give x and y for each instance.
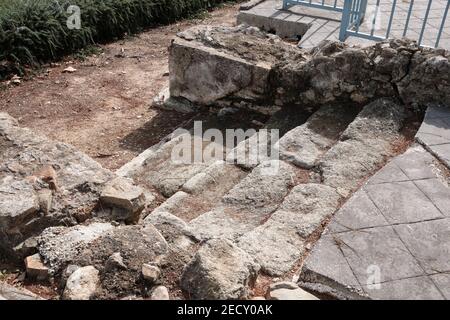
(104, 107)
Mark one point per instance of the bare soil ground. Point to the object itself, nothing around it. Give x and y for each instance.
(104, 107)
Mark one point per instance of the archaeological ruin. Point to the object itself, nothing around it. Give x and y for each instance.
(352, 201)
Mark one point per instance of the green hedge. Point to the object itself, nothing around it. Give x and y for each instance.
(33, 31)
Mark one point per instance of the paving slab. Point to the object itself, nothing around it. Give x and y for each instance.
(402, 202)
(429, 242)
(434, 134)
(391, 239)
(417, 288)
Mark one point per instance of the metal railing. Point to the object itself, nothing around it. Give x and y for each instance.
(333, 5)
(410, 17)
(378, 31)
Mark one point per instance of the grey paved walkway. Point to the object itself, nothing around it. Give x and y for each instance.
(326, 24)
(391, 240)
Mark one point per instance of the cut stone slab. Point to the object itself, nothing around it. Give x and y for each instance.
(359, 212)
(280, 27)
(224, 222)
(264, 188)
(122, 194)
(363, 147)
(429, 242)
(416, 163)
(304, 145)
(35, 268)
(442, 281)
(213, 63)
(438, 192)
(402, 202)
(169, 167)
(390, 237)
(326, 271)
(279, 243)
(442, 152)
(380, 247)
(417, 288)
(82, 284)
(219, 270)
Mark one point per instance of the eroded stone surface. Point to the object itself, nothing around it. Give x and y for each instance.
(42, 183)
(212, 63)
(279, 243)
(304, 145)
(82, 284)
(364, 146)
(219, 270)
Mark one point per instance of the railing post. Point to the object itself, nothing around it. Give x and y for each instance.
(363, 10)
(345, 20)
(285, 4)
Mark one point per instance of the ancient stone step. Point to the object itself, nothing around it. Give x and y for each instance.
(279, 243)
(263, 145)
(202, 192)
(304, 145)
(168, 168)
(364, 146)
(249, 203)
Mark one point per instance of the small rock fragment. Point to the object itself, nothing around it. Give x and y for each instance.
(120, 193)
(114, 262)
(82, 284)
(45, 197)
(69, 70)
(150, 273)
(288, 291)
(160, 293)
(35, 268)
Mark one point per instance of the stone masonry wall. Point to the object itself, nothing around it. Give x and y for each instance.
(237, 66)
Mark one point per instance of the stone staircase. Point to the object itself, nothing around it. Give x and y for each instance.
(273, 216)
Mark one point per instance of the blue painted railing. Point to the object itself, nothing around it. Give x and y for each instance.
(320, 4)
(349, 29)
(354, 11)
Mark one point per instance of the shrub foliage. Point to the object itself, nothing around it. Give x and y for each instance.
(33, 31)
